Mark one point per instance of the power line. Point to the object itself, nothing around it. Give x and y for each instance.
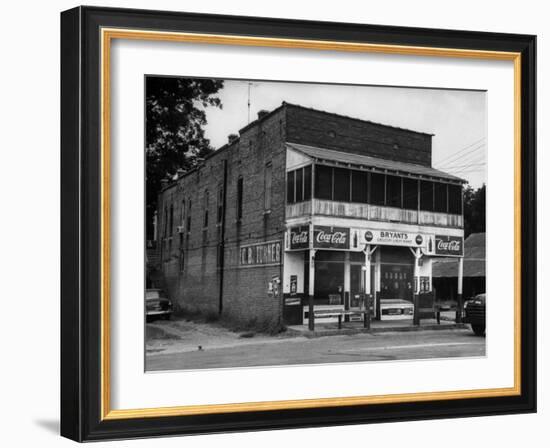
(452, 156)
(458, 157)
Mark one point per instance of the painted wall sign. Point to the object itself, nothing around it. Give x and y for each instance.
(449, 245)
(325, 237)
(360, 237)
(299, 237)
(260, 254)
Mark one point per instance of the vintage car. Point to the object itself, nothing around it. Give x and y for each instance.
(474, 314)
(157, 305)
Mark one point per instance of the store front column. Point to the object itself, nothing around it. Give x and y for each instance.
(459, 301)
(347, 284)
(311, 319)
(416, 285)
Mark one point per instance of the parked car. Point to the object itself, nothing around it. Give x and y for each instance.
(157, 305)
(474, 313)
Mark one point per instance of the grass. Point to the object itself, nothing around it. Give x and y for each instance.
(247, 328)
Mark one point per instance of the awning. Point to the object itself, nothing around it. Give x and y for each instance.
(359, 160)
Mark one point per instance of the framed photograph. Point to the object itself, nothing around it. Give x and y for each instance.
(278, 224)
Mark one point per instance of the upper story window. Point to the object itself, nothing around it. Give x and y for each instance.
(323, 182)
(220, 205)
(298, 185)
(171, 225)
(455, 199)
(440, 197)
(359, 186)
(206, 205)
(182, 213)
(410, 193)
(189, 216)
(343, 185)
(165, 223)
(240, 192)
(394, 191)
(426, 196)
(267, 186)
(378, 189)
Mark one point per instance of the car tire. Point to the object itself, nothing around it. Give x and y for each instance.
(479, 330)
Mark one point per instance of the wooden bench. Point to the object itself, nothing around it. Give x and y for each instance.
(340, 313)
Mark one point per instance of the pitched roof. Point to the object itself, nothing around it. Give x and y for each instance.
(474, 260)
(338, 156)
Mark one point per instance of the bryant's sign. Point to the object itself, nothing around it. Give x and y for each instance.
(360, 237)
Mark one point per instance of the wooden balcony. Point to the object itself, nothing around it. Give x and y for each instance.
(373, 213)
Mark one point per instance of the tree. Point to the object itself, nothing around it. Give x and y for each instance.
(175, 116)
(474, 210)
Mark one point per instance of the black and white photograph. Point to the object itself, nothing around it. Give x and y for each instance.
(292, 223)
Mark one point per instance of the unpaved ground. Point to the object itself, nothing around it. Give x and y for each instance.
(180, 335)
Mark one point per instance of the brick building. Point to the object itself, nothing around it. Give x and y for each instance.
(293, 212)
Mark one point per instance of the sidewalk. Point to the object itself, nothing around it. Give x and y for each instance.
(377, 326)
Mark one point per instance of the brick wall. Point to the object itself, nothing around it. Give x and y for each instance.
(327, 130)
(245, 290)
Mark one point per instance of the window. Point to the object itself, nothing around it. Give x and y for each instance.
(290, 187)
(323, 182)
(426, 196)
(182, 213)
(359, 182)
(165, 231)
(307, 183)
(181, 254)
(206, 204)
(341, 185)
(378, 189)
(393, 191)
(455, 199)
(267, 186)
(299, 189)
(220, 204)
(239, 198)
(171, 225)
(189, 217)
(440, 197)
(410, 193)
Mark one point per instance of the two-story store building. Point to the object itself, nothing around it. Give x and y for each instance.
(306, 209)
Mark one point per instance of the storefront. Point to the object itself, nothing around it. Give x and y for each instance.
(334, 267)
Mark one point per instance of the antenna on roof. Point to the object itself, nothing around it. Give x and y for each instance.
(249, 85)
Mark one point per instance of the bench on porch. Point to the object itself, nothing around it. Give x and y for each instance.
(340, 313)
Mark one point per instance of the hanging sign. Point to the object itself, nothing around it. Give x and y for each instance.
(360, 237)
(449, 246)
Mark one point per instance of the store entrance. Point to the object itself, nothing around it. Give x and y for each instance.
(396, 282)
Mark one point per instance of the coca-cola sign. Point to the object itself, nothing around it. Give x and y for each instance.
(449, 245)
(325, 237)
(299, 237)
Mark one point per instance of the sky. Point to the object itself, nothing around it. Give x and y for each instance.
(458, 118)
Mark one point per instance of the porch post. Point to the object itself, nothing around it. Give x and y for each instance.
(311, 320)
(459, 301)
(416, 287)
(367, 269)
